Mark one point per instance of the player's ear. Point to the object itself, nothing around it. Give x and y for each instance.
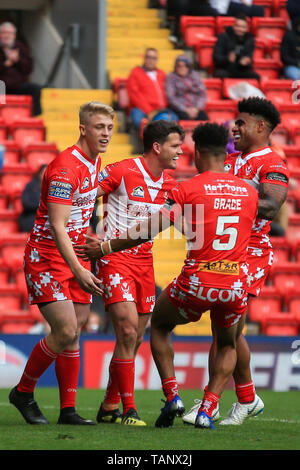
(156, 147)
(82, 129)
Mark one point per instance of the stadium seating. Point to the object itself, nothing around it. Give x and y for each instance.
(292, 153)
(267, 68)
(15, 177)
(268, 29)
(285, 277)
(268, 6)
(25, 131)
(213, 88)
(296, 136)
(3, 198)
(282, 249)
(4, 274)
(39, 153)
(10, 299)
(8, 222)
(120, 91)
(16, 322)
(281, 135)
(279, 91)
(289, 113)
(12, 153)
(222, 22)
(221, 110)
(280, 324)
(268, 301)
(204, 53)
(293, 232)
(196, 28)
(3, 130)
(279, 9)
(16, 107)
(229, 82)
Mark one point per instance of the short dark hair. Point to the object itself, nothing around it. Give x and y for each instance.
(158, 131)
(241, 16)
(260, 107)
(211, 137)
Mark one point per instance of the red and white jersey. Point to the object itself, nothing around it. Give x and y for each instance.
(261, 166)
(71, 179)
(219, 210)
(132, 194)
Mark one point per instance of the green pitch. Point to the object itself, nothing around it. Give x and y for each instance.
(277, 428)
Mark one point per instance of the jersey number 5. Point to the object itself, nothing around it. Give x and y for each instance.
(231, 231)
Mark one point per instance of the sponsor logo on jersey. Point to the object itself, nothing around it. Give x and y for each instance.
(274, 176)
(220, 267)
(138, 192)
(85, 183)
(60, 190)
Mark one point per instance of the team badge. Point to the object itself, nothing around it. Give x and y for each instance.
(138, 192)
(227, 167)
(85, 183)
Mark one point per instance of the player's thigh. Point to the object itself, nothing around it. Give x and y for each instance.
(82, 311)
(228, 336)
(60, 315)
(166, 314)
(124, 317)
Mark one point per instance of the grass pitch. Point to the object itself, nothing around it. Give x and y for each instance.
(278, 428)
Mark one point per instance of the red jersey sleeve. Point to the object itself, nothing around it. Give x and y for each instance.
(61, 182)
(110, 177)
(275, 171)
(173, 207)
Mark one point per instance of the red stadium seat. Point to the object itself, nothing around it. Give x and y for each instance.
(221, 110)
(12, 152)
(281, 135)
(279, 91)
(296, 136)
(293, 231)
(26, 131)
(268, 29)
(188, 143)
(274, 49)
(39, 153)
(120, 91)
(3, 130)
(267, 4)
(222, 22)
(16, 107)
(285, 277)
(204, 52)
(19, 279)
(292, 303)
(260, 49)
(213, 88)
(15, 177)
(12, 254)
(280, 9)
(280, 324)
(282, 249)
(194, 28)
(296, 251)
(289, 113)
(10, 299)
(8, 222)
(267, 68)
(3, 198)
(292, 153)
(268, 301)
(229, 82)
(16, 322)
(4, 274)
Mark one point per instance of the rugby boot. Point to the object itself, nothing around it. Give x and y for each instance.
(28, 407)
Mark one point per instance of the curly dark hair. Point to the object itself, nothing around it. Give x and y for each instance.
(210, 136)
(260, 107)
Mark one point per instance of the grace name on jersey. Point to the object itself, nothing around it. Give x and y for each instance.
(227, 204)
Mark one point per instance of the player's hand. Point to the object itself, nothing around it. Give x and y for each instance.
(88, 282)
(89, 251)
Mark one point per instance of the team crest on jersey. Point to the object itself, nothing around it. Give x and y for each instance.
(248, 170)
(85, 183)
(227, 167)
(138, 192)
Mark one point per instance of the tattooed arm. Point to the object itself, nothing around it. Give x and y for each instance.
(271, 198)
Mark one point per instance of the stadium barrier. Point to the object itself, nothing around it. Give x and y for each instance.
(275, 362)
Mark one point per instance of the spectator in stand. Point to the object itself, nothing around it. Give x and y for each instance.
(290, 51)
(233, 51)
(202, 8)
(293, 9)
(185, 91)
(246, 7)
(16, 65)
(30, 200)
(146, 90)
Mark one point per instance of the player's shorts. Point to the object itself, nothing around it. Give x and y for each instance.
(124, 282)
(227, 306)
(49, 279)
(260, 261)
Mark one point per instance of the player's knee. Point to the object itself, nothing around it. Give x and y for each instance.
(67, 336)
(128, 333)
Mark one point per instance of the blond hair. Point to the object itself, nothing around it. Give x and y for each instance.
(94, 107)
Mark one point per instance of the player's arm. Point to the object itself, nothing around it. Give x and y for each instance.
(58, 217)
(271, 198)
(134, 236)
